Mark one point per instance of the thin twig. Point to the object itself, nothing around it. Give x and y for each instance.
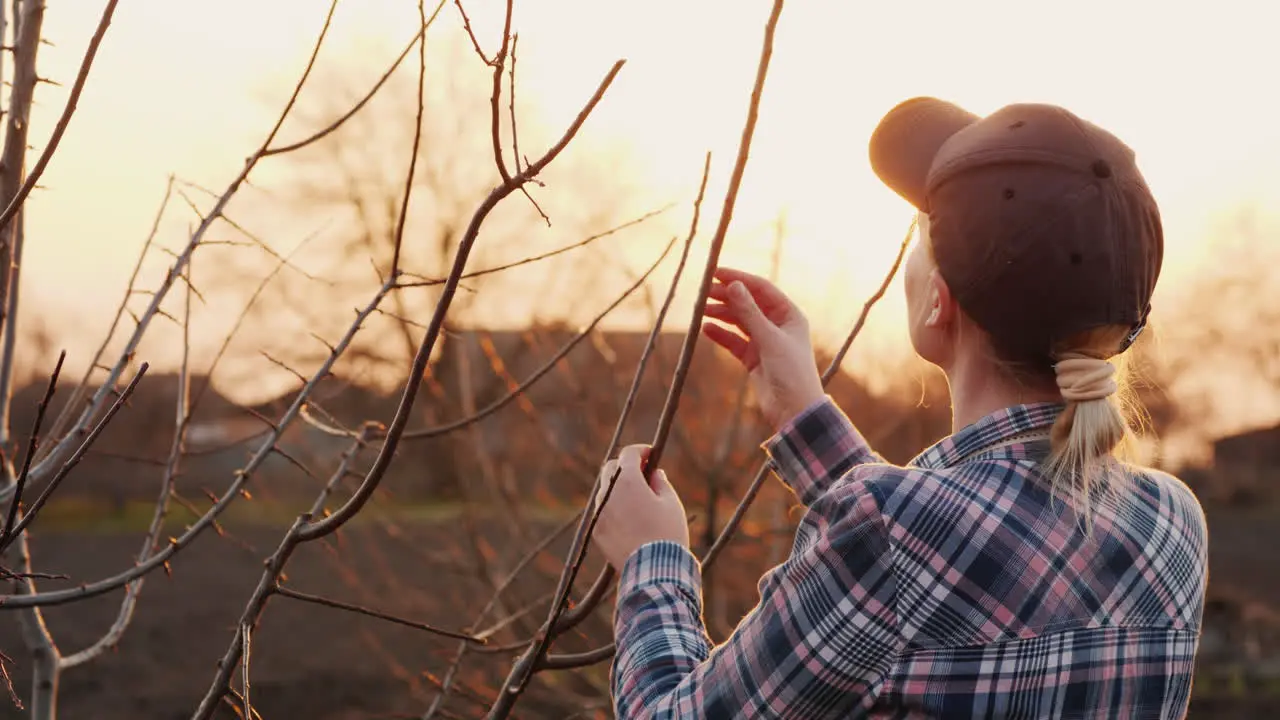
(495, 97)
(427, 345)
(519, 390)
(33, 442)
(246, 641)
(61, 127)
(240, 319)
(575, 615)
(545, 255)
(515, 136)
(591, 657)
(58, 597)
(71, 462)
(681, 374)
(417, 142)
(182, 419)
(358, 609)
(466, 23)
(382, 80)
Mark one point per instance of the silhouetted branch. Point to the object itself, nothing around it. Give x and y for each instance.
(182, 419)
(31, 34)
(360, 610)
(417, 142)
(573, 616)
(59, 450)
(58, 597)
(495, 98)
(545, 255)
(360, 104)
(32, 443)
(268, 583)
(708, 276)
(524, 667)
(71, 462)
(572, 660)
(549, 365)
(397, 427)
(466, 23)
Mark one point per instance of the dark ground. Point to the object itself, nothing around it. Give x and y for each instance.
(307, 661)
(321, 664)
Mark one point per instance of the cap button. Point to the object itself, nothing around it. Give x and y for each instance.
(1101, 169)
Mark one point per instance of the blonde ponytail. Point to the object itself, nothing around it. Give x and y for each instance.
(1093, 432)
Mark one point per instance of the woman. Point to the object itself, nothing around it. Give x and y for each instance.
(1015, 569)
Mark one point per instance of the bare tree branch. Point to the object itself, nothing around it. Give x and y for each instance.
(566, 661)
(360, 104)
(695, 323)
(16, 502)
(268, 584)
(549, 365)
(359, 610)
(545, 255)
(65, 469)
(361, 496)
(59, 450)
(417, 141)
(182, 419)
(28, 44)
(524, 668)
(58, 597)
(495, 98)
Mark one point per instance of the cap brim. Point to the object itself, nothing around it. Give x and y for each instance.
(908, 138)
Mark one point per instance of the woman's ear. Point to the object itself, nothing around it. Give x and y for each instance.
(942, 307)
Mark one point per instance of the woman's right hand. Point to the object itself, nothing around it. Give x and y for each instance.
(777, 351)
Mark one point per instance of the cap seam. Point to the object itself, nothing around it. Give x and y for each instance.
(1026, 156)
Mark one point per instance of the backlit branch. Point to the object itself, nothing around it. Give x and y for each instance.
(182, 419)
(533, 659)
(518, 679)
(398, 423)
(572, 660)
(31, 29)
(58, 597)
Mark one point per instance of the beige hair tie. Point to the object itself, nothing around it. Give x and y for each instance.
(1082, 378)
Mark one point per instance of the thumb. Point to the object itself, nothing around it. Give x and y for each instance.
(749, 313)
(658, 482)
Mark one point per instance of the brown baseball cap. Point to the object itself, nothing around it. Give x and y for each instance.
(1040, 222)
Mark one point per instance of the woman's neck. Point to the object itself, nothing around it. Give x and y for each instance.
(979, 388)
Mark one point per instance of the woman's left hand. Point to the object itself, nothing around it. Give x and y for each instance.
(637, 511)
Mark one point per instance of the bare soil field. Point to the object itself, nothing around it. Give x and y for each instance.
(322, 664)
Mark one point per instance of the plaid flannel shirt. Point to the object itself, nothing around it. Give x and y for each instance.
(954, 587)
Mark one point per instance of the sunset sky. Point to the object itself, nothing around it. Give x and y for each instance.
(190, 88)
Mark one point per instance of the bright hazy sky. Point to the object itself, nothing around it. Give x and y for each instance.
(190, 87)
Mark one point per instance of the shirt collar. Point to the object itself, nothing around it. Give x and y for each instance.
(990, 430)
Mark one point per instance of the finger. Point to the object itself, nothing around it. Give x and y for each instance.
(661, 487)
(765, 292)
(608, 470)
(750, 317)
(724, 313)
(632, 457)
(608, 474)
(727, 339)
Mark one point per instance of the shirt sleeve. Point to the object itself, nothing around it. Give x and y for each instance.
(816, 448)
(817, 645)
